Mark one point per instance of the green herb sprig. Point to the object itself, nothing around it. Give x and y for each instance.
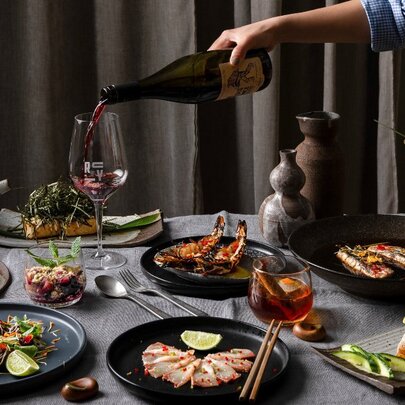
(392, 129)
(56, 259)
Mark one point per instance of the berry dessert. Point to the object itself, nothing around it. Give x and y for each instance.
(55, 276)
(56, 286)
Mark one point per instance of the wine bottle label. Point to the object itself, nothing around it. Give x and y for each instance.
(246, 78)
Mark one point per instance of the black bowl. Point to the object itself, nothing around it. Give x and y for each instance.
(316, 242)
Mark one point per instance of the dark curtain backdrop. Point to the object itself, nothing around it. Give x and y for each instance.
(57, 54)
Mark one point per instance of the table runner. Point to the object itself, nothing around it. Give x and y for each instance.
(307, 380)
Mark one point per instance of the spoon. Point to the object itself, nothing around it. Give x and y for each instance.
(113, 288)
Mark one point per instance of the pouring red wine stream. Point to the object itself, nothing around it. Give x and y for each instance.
(105, 185)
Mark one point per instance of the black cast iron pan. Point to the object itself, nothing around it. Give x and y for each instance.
(316, 242)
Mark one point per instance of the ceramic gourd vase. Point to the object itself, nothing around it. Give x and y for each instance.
(282, 212)
(321, 159)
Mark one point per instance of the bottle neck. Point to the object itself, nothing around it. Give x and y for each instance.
(119, 93)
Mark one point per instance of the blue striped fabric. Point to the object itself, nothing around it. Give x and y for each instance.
(387, 23)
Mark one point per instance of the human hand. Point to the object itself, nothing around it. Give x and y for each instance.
(261, 34)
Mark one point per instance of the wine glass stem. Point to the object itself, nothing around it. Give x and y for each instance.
(98, 208)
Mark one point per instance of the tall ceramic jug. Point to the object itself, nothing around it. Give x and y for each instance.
(321, 159)
(282, 212)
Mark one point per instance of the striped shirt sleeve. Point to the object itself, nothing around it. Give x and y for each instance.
(387, 23)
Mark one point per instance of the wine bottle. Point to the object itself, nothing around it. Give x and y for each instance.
(197, 78)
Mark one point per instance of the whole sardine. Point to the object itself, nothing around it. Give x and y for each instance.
(394, 255)
(362, 262)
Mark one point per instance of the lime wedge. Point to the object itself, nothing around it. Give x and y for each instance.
(200, 340)
(20, 364)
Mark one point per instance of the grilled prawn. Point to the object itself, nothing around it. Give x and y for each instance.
(362, 262)
(184, 254)
(394, 255)
(224, 259)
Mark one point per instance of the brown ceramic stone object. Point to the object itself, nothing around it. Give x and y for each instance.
(321, 159)
(310, 332)
(80, 390)
(285, 210)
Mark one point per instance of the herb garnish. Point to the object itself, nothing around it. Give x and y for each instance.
(57, 260)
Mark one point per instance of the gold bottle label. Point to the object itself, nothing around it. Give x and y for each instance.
(246, 78)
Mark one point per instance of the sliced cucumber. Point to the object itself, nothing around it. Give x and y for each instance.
(375, 368)
(355, 358)
(353, 348)
(383, 365)
(396, 363)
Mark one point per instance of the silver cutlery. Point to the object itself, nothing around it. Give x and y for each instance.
(135, 286)
(115, 289)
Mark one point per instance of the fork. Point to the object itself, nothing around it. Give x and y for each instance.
(135, 286)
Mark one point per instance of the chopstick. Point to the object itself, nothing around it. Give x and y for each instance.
(256, 364)
(260, 363)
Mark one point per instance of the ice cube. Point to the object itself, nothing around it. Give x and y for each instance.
(294, 288)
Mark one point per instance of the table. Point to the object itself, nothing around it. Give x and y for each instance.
(307, 380)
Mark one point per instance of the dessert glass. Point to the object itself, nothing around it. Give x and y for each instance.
(54, 287)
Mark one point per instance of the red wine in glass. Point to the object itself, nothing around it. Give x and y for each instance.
(98, 189)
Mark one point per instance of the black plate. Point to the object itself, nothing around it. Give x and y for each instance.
(70, 347)
(316, 242)
(209, 279)
(124, 356)
(193, 288)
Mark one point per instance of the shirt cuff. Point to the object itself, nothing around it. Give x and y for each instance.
(387, 23)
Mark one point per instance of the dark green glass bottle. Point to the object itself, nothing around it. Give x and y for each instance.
(198, 78)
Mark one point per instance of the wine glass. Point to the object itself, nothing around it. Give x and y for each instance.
(97, 167)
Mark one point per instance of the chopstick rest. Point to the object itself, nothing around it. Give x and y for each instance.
(256, 373)
(311, 332)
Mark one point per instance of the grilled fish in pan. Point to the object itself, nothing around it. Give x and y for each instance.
(362, 262)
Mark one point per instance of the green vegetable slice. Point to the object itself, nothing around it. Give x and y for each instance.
(396, 363)
(375, 368)
(356, 359)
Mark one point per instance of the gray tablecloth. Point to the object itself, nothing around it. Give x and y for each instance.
(308, 379)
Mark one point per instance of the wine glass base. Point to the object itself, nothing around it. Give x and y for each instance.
(111, 260)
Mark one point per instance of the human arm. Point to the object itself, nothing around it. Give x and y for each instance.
(344, 22)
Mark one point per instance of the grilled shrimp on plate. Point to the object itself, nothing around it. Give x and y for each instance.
(224, 259)
(184, 254)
